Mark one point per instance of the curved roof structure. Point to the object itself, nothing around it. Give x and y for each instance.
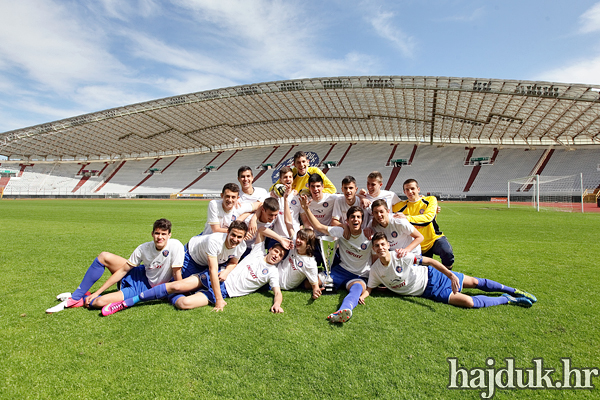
(436, 110)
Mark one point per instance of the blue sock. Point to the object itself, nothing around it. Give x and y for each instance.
(131, 301)
(157, 292)
(351, 300)
(174, 297)
(488, 285)
(91, 276)
(486, 301)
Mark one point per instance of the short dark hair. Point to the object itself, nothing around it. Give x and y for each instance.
(309, 236)
(285, 170)
(409, 181)
(237, 224)
(232, 187)
(244, 169)
(354, 209)
(379, 202)
(348, 180)
(375, 175)
(298, 155)
(162, 224)
(271, 204)
(315, 178)
(378, 236)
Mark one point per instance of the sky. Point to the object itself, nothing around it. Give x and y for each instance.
(63, 58)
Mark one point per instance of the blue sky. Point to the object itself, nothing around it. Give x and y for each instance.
(62, 58)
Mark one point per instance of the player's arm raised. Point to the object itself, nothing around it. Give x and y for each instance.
(311, 218)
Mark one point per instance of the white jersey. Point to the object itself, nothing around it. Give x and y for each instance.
(203, 246)
(158, 263)
(216, 215)
(259, 194)
(355, 254)
(398, 233)
(295, 268)
(251, 273)
(340, 208)
(279, 225)
(259, 225)
(323, 210)
(401, 275)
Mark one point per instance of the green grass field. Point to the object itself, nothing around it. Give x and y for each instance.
(393, 348)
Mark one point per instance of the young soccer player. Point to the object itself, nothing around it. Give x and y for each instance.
(286, 177)
(404, 237)
(302, 172)
(422, 212)
(343, 203)
(321, 204)
(412, 275)
(250, 194)
(222, 212)
(355, 258)
(205, 254)
(266, 214)
(162, 259)
(300, 264)
(249, 275)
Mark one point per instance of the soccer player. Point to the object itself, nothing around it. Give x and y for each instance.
(300, 264)
(343, 203)
(405, 238)
(421, 212)
(162, 259)
(355, 258)
(321, 204)
(412, 275)
(266, 216)
(286, 177)
(250, 194)
(222, 212)
(249, 275)
(302, 172)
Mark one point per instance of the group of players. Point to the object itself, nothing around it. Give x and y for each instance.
(254, 237)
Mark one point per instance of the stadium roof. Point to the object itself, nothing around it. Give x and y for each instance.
(435, 110)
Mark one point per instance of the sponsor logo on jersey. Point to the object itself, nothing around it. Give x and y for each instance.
(251, 272)
(315, 212)
(394, 234)
(165, 253)
(363, 246)
(353, 254)
(265, 271)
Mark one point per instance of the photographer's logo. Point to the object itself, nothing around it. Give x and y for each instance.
(489, 379)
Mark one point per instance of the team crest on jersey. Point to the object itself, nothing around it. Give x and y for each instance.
(265, 271)
(165, 253)
(363, 246)
(300, 264)
(421, 211)
(326, 204)
(294, 202)
(399, 269)
(394, 234)
(233, 217)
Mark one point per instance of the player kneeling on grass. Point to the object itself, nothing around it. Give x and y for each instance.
(250, 274)
(414, 275)
(160, 260)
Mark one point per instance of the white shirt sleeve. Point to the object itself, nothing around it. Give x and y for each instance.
(212, 215)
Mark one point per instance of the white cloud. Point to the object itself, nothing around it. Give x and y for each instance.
(46, 41)
(582, 71)
(383, 24)
(590, 20)
(473, 16)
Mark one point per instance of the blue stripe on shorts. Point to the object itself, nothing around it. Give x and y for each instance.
(439, 286)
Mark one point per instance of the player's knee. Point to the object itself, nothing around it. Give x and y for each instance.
(99, 302)
(102, 257)
(183, 304)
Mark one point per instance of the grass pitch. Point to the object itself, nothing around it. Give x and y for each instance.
(392, 348)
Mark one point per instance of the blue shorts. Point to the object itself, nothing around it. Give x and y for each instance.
(439, 286)
(208, 290)
(191, 267)
(135, 282)
(442, 248)
(341, 276)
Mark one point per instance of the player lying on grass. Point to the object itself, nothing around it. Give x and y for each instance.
(422, 211)
(162, 259)
(355, 258)
(249, 275)
(413, 275)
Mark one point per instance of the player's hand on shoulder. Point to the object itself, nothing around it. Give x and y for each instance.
(400, 215)
(368, 231)
(401, 252)
(287, 243)
(346, 231)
